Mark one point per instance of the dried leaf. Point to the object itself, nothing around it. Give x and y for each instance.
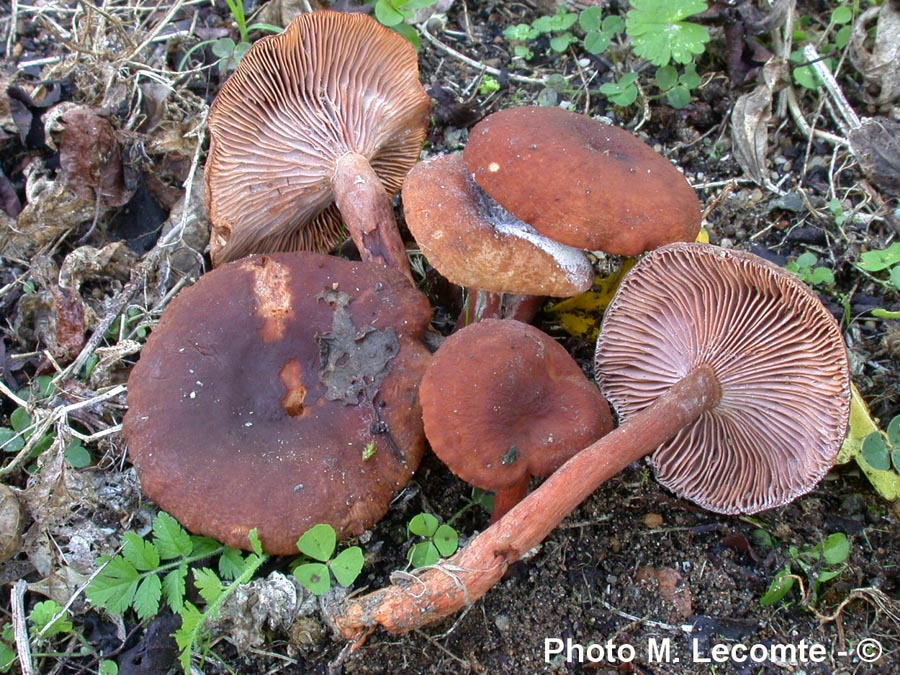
(671, 587)
(90, 159)
(749, 131)
(750, 118)
(876, 145)
(881, 66)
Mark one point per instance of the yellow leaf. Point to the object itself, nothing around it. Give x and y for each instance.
(580, 316)
(886, 483)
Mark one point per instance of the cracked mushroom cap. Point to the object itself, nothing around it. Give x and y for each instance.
(474, 242)
(332, 83)
(503, 401)
(776, 350)
(581, 182)
(280, 392)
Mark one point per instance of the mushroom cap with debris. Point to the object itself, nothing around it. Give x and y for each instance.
(280, 392)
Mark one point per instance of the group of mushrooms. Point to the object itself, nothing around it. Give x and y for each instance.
(288, 387)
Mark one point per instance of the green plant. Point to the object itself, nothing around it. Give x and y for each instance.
(818, 564)
(318, 544)
(806, 268)
(147, 573)
(396, 13)
(229, 52)
(882, 450)
(596, 32)
(880, 263)
(24, 430)
(831, 38)
(624, 92)
(437, 540)
(657, 32)
(660, 34)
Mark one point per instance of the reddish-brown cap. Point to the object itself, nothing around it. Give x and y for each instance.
(503, 401)
(581, 182)
(777, 352)
(476, 243)
(332, 83)
(280, 392)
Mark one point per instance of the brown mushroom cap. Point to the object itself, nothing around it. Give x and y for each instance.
(778, 355)
(581, 182)
(502, 401)
(476, 243)
(330, 84)
(257, 395)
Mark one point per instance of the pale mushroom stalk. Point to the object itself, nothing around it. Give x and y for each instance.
(474, 570)
(366, 209)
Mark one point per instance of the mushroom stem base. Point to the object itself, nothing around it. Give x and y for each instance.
(366, 209)
(474, 570)
(481, 305)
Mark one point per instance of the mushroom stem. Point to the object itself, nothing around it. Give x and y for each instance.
(366, 209)
(480, 305)
(474, 570)
(504, 500)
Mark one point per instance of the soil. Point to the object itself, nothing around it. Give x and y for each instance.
(634, 567)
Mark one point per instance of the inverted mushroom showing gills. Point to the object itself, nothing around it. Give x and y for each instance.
(280, 392)
(502, 401)
(316, 127)
(748, 411)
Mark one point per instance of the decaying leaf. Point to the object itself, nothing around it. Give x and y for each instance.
(52, 209)
(880, 65)
(12, 522)
(90, 159)
(272, 603)
(886, 483)
(53, 314)
(876, 145)
(671, 588)
(750, 119)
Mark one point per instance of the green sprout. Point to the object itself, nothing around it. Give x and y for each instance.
(882, 450)
(805, 267)
(438, 540)
(319, 544)
(819, 563)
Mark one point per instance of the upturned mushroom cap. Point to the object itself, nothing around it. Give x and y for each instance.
(502, 401)
(581, 182)
(280, 392)
(778, 355)
(476, 243)
(330, 84)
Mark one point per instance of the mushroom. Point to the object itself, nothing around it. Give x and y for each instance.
(474, 242)
(502, 402)
(758, 382)
(280, 392)
(316, 126)
(581, 182)
(560, 181)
